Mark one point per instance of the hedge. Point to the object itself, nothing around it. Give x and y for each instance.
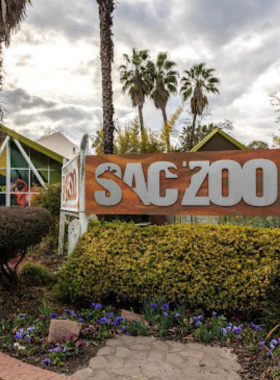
(215, 267)
(20, 229)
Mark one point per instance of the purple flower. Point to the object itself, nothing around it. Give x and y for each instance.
(50, 350)
(88, 316)
(47, 362)
(176, 315)
(18, 336)
(165, 306)
(53, 315)
(56, 349)
(96, 306)
(279, 363)
(68, 311)
(31, 329)
(153, 305)
(261, 344)
(103, 320)
(214, 314)
(109, 315)
(239, 337)
(269, 354)
(65, 318)
(81, 320)
(165, 314)
(24, 315)
(74, 315)
(118, 320)
(123, 329)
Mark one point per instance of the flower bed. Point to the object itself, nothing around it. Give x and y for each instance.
(25, 336)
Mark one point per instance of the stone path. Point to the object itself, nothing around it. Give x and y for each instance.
(146, 358)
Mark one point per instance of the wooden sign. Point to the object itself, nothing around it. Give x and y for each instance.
(70, 186)
(203, 183)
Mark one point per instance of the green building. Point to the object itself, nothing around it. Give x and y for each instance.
(25, 166)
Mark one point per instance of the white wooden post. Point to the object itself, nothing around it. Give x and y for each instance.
(84, 150)
(62, 220)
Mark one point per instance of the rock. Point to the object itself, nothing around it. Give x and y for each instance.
(60, 329)
(130, 317)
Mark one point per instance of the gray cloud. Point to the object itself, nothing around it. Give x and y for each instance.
(239, 38)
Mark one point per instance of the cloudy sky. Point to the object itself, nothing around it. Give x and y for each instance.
(53, 67)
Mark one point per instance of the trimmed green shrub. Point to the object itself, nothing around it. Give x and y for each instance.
(20, 229)
(214, 267)
(49, 198)
(35, 274)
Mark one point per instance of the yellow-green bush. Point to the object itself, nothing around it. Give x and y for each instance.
(216, 267)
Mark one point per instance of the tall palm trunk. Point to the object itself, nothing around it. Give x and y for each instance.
(164, 114)
(193, 130)
(140, 111)
(106, 8)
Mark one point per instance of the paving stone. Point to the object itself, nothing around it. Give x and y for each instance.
(192, 354)
(105, 351)
(114, 342)
(189, 369)
(113, 361)
(103, 375)
(126, 339)
(123, 352)
(155, 356)
(83, 374)
(194, 346)
(208, 362)
(129, 369)
(174, 359)
(174, 346)
(230, 365)
(141, 347)
(161, 346)
(140, 355)
(98, 362)
(152, 369)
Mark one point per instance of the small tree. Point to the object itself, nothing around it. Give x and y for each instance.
(20, 229)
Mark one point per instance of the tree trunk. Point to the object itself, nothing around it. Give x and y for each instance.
(140, 111)
(106, 8)
(165, 122)
(193, 130)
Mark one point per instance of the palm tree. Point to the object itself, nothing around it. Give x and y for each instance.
(199, 79)
(165, 83)
(12, 13)
(106, 9)
(136, 80)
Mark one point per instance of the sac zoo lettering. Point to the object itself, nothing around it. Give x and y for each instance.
(213, 186)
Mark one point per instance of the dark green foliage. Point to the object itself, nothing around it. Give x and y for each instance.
(20, 229)
(35, 274)
(49, 198)
(214, 267)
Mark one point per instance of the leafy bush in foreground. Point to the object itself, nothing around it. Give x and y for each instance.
(20, 229)
(35, 274)
(214, 267)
